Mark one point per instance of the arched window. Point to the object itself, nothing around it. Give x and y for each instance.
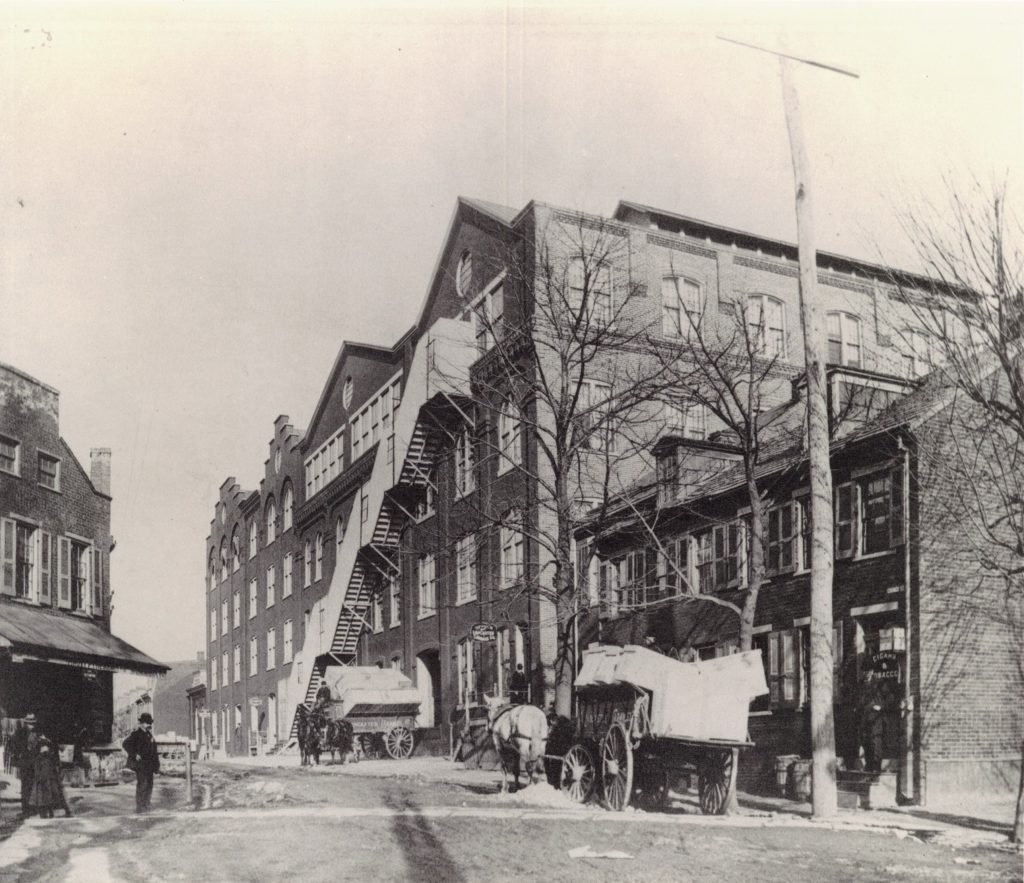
(307, 570)
(681, 306)
(223, 559)
(213, 569)
(844, 339)
(766, 319)
(319, 571)
(271, 521)
(289, 505)
(253, 531)
(236, 550)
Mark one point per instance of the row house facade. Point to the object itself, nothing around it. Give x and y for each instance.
(912, 660)
(57, 652)
(426, 491)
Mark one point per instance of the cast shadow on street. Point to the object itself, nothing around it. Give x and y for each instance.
(425, 855)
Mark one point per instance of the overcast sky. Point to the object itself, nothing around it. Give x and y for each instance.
(199, 202)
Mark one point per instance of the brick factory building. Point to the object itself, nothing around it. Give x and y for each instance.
(57, 653)
(409, 510)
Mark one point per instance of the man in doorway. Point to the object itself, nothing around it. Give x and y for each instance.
(144, 759)
(23, 756)
(518, 687)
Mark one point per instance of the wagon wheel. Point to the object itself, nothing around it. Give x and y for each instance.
(714, 777)
(652, 784)
(398, 741)
(579, 774)
(368, 745)
(616, 767)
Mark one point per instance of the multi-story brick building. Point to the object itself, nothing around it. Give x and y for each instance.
(425, 493)
(57, 653)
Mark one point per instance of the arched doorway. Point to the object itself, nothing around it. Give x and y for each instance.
(428, 681)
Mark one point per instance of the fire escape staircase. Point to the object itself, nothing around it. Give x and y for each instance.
(369, 550)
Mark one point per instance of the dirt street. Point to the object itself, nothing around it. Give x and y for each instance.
(329, 824)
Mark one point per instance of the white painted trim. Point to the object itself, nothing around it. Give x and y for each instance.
(803, 620)
(761, 629)
(893, 590)
(875, 608)
(759, 713)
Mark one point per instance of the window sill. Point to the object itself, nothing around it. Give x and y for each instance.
(464, 601)
(427, 615)
(767, 713)
(394, 625)
(52, 490)
(10, 472)
(871, 555)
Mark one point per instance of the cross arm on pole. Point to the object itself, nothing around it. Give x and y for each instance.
(810, 61)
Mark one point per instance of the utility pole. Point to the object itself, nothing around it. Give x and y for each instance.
(823, 738)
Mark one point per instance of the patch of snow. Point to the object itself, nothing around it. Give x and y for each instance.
(540, 794)
(587, 852)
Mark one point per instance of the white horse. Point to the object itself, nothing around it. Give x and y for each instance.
(521, 730)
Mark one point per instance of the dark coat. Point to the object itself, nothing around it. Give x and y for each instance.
(140, 743)
(46, 793)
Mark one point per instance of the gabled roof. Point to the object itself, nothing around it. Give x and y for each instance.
(501, 213)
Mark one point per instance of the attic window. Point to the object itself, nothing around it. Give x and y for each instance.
(346, 393)
(464, 274)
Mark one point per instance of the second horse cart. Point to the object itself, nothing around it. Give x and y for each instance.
(644, 719)
(380, 704)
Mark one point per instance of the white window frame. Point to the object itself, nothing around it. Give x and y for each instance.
(676, 304)
(213, 625)
(769, 329)
(510, 441)
(426, 578)
(601, 290)
(253, 602)
(846, 323)
(318, 563)
(307, 564)
(236, 663)
(225, 619)
(287, 640)
(271, 519)
(487, 318)
(287, 574)
(271, 658)
(394, 602)
(236, 610)
(513, 567)
(592, 406)
(376, 613)
(288, 503)
(15, 467)
(42, 456)
(225, 669)
(466, 570)
(253, 539)
(254, 656)
(465, 476)
(271, 585)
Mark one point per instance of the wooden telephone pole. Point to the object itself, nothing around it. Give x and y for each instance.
(823, 738)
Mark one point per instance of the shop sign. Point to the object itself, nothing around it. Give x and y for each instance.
(885, 665)
(483, 631)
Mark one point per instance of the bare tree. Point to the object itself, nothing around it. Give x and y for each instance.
(565, 368)
(970, 326)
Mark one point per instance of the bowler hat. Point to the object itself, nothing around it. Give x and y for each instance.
(145, 718)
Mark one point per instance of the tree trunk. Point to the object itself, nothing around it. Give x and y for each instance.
(1018, 816)
(823, 742)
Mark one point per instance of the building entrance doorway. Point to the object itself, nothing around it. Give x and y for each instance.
(428, 682)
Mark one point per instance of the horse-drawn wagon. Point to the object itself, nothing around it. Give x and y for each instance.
(381, 706)
(643, 719)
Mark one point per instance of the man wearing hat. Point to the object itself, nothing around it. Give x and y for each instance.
(24, 757)
(143, 759)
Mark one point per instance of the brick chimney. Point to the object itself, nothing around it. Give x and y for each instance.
(99, 469)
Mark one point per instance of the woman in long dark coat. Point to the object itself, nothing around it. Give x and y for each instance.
(46, 790)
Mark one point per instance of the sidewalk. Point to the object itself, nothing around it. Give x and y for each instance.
(987, 822)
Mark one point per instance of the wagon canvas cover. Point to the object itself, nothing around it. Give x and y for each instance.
(362, 690)
(704, 701)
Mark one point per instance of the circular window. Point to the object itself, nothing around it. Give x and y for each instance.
(464, 274)
(277, 460)
(346, 393)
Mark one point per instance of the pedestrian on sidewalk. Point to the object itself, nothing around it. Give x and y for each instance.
(143, 759)
(47, 793)
(519, 687)
(24, 745)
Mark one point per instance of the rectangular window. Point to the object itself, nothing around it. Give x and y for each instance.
(488, 318)
(225, 621)
(767, 325)
(49, 472)
(427, 504)
(252, 539)
(844, 499)
(225, 671)
(784, 668)
(637, 578)
(673, 567)
(80, 573)
(394, 602)
(287, 641)
(271, 648)
(319, 564)
(719, 554)
(844, 339)
(593, 419)
(464, 477)
(465, 555)
(25, 561)
(236, 619)
(590, 291)
(511, 553)
(10, 455)
(427, 586)
(781, 539)
(509, 442)
(804, 509)
(213, 625)
(237, 659)
(253, 602)
(681, 307)
(213, 672)
(376, 613)
(364, 505)
(286, 576)
(254, 658)
(271, 585)
(881, 511)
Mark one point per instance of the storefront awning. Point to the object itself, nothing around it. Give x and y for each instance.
(31, 633)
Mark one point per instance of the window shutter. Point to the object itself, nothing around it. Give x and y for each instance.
(7, 546)
(45, 567)
(896, 521)
(786, 551)
(844, 521)
(64, 596)
(97, 581)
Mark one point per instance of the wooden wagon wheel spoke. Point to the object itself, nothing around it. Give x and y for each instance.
(652, 783)
(578, 774)
(617, 767)
(714, 780)
(398, 742)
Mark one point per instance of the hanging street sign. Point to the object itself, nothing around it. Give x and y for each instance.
(483, 631)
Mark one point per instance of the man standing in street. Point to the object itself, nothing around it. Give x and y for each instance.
(143, 759)
(24, 757)
(519, 687)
